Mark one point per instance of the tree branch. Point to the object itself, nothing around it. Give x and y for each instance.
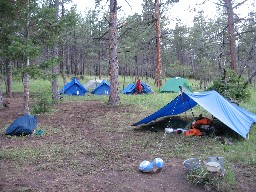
(107, 20)
(239, 4)
(249, 79)
(124, 32)
(128, 4)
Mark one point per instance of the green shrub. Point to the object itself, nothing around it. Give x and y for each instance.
(43, 103)
(231, 87)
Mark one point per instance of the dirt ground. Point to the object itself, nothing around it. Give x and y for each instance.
(106, 167)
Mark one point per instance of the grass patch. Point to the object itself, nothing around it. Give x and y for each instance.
(60, 149)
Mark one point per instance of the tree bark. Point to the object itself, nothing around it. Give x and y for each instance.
(69, 52)
(231, 32)
(63, 63)
(1, 93)
(114, 98)
(8, 78)
(26, 109)
(55, 83)
(158, 82)
(55, 69)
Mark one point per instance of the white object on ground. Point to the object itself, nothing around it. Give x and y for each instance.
(213, 166)
(159, 162)
(146, 166)
(168, 130)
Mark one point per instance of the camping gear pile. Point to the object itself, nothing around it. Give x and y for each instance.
(201, 171)
(235, 117)
(212, 164)
(204, 125)
(201, 126)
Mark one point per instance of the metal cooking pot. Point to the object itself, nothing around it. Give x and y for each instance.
(217, 160)
(213, 166)
(192, 164)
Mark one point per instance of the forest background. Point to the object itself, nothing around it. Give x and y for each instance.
(49, 38)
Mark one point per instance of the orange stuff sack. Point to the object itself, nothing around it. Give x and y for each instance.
(202, 121)
(196, 128)
(192, 132)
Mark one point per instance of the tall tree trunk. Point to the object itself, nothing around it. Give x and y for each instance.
(100, 58)
(158, 82)
(8, 78)
(26, 109)
(69, 61)
(63, 63)
(231, 32)
(114, 98)
(55, 83)
(63, 66)
(1, 93)
(55, 69)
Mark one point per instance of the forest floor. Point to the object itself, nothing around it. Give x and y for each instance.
(87, 146)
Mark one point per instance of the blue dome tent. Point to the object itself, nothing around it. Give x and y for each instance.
(102, 89)
(74, 87)
(131, 88)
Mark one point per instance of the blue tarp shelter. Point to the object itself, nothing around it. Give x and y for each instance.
(74, 87)
(131, 88)
(235, 117)
(23, 125)
(102, 89)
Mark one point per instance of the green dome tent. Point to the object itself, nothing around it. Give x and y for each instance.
(172, 85)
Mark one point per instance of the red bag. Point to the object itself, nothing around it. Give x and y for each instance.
(139, 87)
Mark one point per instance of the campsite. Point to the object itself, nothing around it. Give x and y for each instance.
(88, 145)
(113, 99)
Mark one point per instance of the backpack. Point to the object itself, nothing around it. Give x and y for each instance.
(204, 125)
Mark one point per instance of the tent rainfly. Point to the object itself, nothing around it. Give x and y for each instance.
(102, 89)
(74, 87)
(172, 85)
(131, 88)
(235, 117)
